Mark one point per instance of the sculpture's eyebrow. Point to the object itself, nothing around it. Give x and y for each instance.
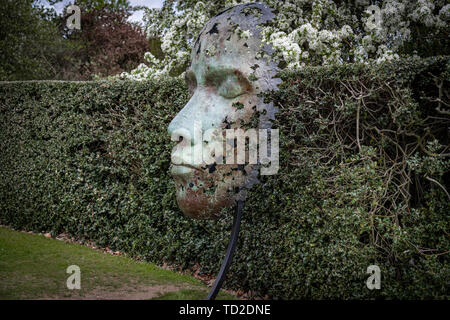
(191, 81)
(189, 76)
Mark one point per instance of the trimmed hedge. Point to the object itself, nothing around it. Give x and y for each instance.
(363, 172)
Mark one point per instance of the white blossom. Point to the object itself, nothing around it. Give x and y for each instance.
(304, 32)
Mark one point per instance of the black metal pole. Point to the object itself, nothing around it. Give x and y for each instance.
(230, 251)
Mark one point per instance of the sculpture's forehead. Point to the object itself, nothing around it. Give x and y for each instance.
(225, 57)
(247, 17)
(232, 38)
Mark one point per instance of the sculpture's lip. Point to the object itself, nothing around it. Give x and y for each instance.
(182, 169)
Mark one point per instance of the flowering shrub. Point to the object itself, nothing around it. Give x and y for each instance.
(307, 32)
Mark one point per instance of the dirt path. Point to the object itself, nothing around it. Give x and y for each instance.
(124, 293)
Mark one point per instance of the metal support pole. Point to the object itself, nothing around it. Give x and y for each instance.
(230, 251)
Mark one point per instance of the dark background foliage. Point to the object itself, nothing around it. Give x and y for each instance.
(363, 179)
(30, 46)
(35, 43)
(109, 44)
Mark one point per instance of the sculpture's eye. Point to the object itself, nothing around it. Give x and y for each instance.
(231, 87)
(228, 83)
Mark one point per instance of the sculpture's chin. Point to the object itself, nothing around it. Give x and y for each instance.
(202, 194)
(199, 205)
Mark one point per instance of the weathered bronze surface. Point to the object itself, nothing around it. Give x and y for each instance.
(228, 72)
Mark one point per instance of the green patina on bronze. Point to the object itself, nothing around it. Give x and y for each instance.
(227, 75)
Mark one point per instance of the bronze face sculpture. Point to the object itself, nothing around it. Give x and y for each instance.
(230, 69)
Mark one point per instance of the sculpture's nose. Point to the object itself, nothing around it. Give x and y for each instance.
(202, 112)
(176, 132)
(181, 128)
(186, 130)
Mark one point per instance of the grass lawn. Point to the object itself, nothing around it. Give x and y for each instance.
(34, 267)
